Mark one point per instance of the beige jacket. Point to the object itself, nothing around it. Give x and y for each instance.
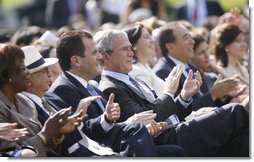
(25, 114)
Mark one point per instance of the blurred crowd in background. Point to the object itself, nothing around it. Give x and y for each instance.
(189, 58)
(95, 13)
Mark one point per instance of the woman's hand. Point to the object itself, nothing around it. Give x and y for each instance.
(9, 132)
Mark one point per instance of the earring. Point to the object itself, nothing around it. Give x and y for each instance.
(134, 48)
(226, 50)
(10, 80)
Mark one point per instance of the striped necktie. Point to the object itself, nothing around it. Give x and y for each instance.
(145, 92)
(47, 106)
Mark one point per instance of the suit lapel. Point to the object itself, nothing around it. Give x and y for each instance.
(42, 115)
(104, 77)
(79, 87)
(171, 65)
(203, 88)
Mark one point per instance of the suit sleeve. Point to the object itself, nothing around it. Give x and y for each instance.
(130, 103)
(69, 96)
(203, 101)
(92, 128)
(162, 74)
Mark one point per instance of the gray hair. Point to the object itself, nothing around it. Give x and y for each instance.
(104, 40)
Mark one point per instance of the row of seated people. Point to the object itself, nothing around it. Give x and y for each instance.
(182, 117)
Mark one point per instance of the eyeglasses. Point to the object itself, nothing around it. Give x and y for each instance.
(44, 70)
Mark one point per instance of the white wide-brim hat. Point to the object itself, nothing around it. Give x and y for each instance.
(34, 61)
(49, 38)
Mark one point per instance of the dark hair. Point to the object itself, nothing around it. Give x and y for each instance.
(227, 34)
(166, 35)
(198, 40)
(71, 44)
(45, 51)
(134, 32)
(26, 35)
(10, 55)
(44, 48)
(5, 36)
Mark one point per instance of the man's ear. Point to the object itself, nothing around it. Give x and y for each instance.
(30, 79)
(169, 46)
(105, 56)
(75, 61)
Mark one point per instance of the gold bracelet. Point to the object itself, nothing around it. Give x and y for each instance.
(57, 141)
(43, 138)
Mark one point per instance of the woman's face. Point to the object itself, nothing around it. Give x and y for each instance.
(20, 77)
(201, 56)
(145, 46)
(237, 48)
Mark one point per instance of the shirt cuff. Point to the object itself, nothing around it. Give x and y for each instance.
(105, 125)
(182, 102)
(170, 94)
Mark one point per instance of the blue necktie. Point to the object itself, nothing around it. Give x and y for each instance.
(94, 93)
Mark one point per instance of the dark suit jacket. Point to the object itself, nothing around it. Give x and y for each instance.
(65, 86)
(71, 92)
(42, 115)
(132, 102)
(164, 66)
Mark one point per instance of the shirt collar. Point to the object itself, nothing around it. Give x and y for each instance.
(81, 80)
(116, 75)
(33, 97)
(178, 62)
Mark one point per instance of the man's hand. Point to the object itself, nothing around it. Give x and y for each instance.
(84, 103)
(113, 111)
(155, 128)
(191, 86)
(172, 81)
(143, 117)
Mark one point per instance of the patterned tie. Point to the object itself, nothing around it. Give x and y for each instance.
(47, 106)
(145, 92)
(150, 96)
(94, 93)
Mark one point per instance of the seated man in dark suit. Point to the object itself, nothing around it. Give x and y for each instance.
(177, 49)
(199, 135)
(80, 61)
